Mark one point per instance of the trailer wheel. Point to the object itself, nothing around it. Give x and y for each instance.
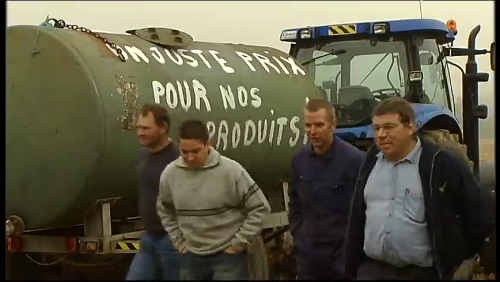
(450, 142)
(257, 260)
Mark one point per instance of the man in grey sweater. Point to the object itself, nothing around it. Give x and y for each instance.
(210, 207)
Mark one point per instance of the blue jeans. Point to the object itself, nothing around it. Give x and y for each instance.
(220, 266)
(156, 260)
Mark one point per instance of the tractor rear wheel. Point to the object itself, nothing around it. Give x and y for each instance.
(450, 142)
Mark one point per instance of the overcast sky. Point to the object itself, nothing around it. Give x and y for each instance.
(260, 23)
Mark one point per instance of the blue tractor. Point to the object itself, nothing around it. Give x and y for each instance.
(357, 65)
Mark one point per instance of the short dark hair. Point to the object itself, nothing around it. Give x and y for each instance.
(317, 104)
(159, 113)
(193, 129)
(397, 105)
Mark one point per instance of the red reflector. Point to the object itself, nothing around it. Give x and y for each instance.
(72, 244)
(13, 244)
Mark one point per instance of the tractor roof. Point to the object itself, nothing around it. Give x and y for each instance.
(437, 29)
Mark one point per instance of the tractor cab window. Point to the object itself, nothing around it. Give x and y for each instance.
(355, 75)
(434, 79)
(327, 75)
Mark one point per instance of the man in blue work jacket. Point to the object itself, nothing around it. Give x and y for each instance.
(322, 180)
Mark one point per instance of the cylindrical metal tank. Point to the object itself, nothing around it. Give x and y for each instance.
(72, 103)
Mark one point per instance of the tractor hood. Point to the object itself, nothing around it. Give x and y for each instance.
(423, 114)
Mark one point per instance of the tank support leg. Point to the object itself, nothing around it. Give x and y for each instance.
(97, 221)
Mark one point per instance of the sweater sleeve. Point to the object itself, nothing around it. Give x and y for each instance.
(256, 207)
(166, 211)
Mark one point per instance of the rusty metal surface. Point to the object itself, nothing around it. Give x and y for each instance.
(130, 96)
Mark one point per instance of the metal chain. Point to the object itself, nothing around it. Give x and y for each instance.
(43, 263)
(62, 24)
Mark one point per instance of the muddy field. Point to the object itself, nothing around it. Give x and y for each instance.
(487, 148)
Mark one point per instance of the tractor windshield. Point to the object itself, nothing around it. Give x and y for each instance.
(355, 75)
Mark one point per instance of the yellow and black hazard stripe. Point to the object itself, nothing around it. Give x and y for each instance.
(344, 29)
(127, 246)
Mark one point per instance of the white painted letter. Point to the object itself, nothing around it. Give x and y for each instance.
(242, 96)
(221, 62)
(281, 65)
(177, 60)
(184, 100)
(222, 135)
(201, 93)
(157, 55)
(256, 102)
(192, 62)
(211, 129)
(246, 58)
(227, 97)
(295, 130)
(236, 134)
(281, 122)
(158, 90)
(262, 132)
(249, 124)
(171, 96)
(136, 53)
(264, 61)
(296, 69)
(200, 54)
(271, 132)
(120, 48)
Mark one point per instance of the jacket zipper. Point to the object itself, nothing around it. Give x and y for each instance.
(432, 222)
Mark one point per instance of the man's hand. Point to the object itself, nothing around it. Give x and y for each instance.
(232, 251)
(465, 270)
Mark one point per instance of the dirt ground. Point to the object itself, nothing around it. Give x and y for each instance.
(487, 147)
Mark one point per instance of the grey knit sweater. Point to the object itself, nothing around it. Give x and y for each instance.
(210, 209)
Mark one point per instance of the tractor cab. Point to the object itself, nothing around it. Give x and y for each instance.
(357, 65)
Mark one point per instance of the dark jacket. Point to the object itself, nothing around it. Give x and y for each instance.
(320, 190)
(454, 210)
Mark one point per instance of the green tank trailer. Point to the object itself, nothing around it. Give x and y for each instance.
(72, 101)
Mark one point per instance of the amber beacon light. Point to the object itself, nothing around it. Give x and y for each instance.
(452, 25)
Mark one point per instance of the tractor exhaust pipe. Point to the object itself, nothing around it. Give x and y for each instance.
(470, 101)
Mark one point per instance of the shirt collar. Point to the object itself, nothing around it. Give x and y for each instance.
(329, 153)
(412, 156)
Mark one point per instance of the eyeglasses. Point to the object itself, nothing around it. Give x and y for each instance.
(387, 127)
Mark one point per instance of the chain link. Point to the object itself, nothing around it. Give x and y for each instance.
(62, 24)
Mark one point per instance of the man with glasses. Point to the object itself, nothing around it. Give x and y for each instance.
(417, 211)
(322, 181)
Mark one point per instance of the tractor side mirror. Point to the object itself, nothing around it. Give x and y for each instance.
(428, 62)
(492, 56)
(427, 59)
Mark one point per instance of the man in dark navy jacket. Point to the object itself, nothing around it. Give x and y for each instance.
(323, 178)
(417, 211)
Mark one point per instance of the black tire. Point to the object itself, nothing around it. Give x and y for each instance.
(450, 143)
